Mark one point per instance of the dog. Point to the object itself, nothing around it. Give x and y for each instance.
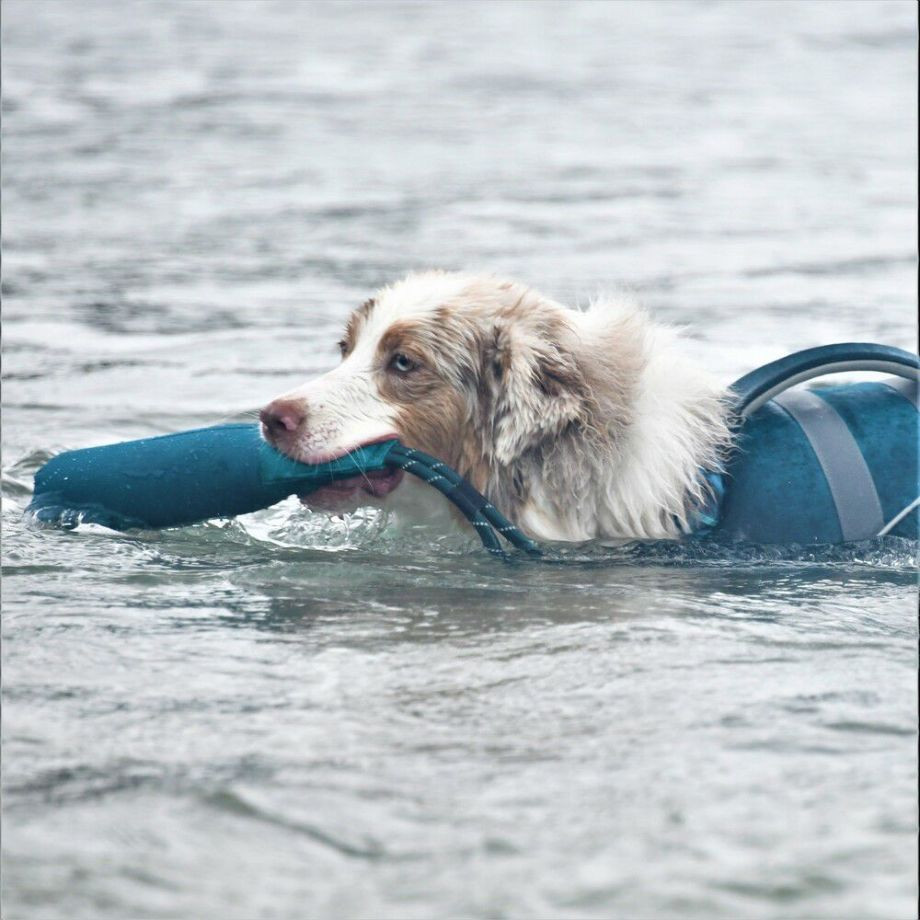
(578, 425)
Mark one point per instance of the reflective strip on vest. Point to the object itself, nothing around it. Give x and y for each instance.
(848, 478)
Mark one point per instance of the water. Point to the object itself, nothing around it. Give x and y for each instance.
(291, 716)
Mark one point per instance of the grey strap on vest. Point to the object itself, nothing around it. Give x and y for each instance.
(907, 388)
(848, 478)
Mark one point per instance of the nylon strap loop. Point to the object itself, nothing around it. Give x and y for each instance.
(848, 478)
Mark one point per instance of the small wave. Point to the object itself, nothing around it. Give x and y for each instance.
(855, 266)
(889, 552)
(287, 526)
(235, 802)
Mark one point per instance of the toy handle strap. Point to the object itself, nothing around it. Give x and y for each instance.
(477, 509)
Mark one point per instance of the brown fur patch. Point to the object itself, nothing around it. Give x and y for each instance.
(353, 326)
(407, 337)
(423, 391)
(436, 397)
(435, 424)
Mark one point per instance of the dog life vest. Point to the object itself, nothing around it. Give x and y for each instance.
(828, 464)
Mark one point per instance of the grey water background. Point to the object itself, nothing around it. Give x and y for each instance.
(292, 715)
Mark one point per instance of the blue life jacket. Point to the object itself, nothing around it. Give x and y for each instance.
(828, 464)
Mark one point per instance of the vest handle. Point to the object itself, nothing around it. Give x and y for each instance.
(759, 386)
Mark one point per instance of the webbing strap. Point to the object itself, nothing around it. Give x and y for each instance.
(480, 512)
(909, 389)
(848, 478)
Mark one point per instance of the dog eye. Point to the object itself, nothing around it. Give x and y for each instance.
(343, 346)
(402, 363)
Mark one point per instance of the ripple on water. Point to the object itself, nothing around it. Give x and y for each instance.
(290, 715)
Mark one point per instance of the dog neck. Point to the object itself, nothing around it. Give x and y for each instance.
(638, 477)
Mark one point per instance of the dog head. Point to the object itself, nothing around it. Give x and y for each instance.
(476, 371)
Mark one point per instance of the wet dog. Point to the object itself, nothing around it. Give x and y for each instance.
(577, 424)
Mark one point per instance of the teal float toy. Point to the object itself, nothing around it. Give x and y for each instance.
(223, 471)
(825, 465)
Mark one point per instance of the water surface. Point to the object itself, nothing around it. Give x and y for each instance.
(292, 716)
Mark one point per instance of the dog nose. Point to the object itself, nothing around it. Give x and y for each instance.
(282, 417)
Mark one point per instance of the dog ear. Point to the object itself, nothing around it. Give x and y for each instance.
(538, 389)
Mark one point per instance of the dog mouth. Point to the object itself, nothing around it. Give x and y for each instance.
(374, 483)
(377, 484)
(343, 492)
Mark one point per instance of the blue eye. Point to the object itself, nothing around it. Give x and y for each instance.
(402, 363)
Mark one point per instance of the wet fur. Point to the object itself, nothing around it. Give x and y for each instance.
(578, 425)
